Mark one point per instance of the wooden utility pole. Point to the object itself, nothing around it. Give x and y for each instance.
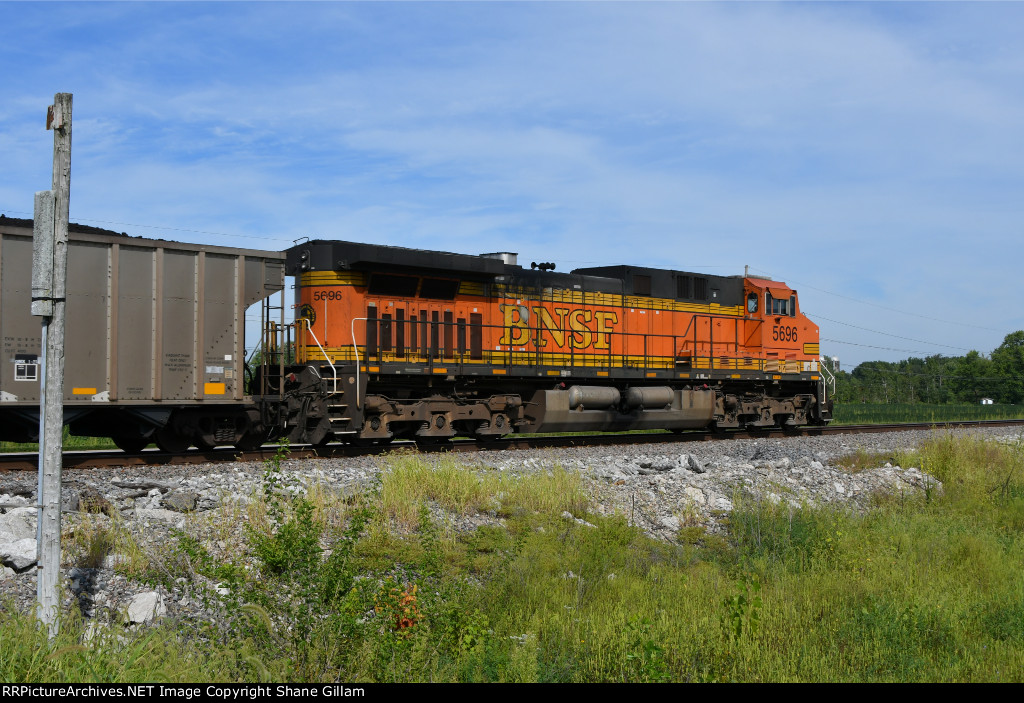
(49, 277)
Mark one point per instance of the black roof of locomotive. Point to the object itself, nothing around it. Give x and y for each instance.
(332, 255)
(664, 283)
(322, 255)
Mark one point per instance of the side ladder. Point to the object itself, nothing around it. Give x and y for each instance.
(276, 349)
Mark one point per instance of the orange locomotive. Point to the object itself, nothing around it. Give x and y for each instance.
(393, 342)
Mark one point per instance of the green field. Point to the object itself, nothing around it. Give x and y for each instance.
(883, 413)
(924, 588)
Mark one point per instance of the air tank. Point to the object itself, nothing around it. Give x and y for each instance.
(593, 397)
(649, 397)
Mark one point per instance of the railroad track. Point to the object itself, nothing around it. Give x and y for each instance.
(154, 457)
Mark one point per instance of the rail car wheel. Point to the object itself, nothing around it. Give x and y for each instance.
(170, 441)
(131, 444)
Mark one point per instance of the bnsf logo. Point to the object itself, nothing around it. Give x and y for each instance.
(307, 311)
(578, 329)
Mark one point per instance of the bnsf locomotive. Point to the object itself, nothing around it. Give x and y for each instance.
(391, 343)
(401, 343)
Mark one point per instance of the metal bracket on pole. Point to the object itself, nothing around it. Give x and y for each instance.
(42, 254)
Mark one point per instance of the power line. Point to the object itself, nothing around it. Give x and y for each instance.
(887, 334)
(883, 307)
(871, 346)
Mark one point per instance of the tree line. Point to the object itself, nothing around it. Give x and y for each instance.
(939, 379)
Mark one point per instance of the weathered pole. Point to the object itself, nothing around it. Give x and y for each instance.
(51, 392)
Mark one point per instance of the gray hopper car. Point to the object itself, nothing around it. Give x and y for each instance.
(154, 341)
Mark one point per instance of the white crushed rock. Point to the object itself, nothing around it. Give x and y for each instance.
(145, 607)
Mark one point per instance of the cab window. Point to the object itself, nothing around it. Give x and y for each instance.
(780, 306)
(752, 303)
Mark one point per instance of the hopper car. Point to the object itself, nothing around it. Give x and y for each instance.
(154, 339)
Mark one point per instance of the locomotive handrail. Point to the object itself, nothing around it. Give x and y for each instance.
(652, 351)
(355, 351)
(830, 379)
(735, 343)
(334, 372)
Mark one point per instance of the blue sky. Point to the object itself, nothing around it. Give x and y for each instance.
(871, 155)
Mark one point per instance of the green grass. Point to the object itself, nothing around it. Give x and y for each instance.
(71, 443)
(83, 654)
(881, 413)
(379, 586)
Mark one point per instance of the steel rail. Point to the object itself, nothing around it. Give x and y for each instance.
(155, 457)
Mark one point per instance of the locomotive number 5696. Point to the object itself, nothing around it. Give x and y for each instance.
(784, 333)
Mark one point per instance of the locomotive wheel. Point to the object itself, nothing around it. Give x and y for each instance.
(130, 444)
(432, 441)
(325, 440)
(317, 432)
(170, 441)
(250, 441)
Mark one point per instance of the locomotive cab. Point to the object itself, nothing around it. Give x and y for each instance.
(776, 326)
(786, 338)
